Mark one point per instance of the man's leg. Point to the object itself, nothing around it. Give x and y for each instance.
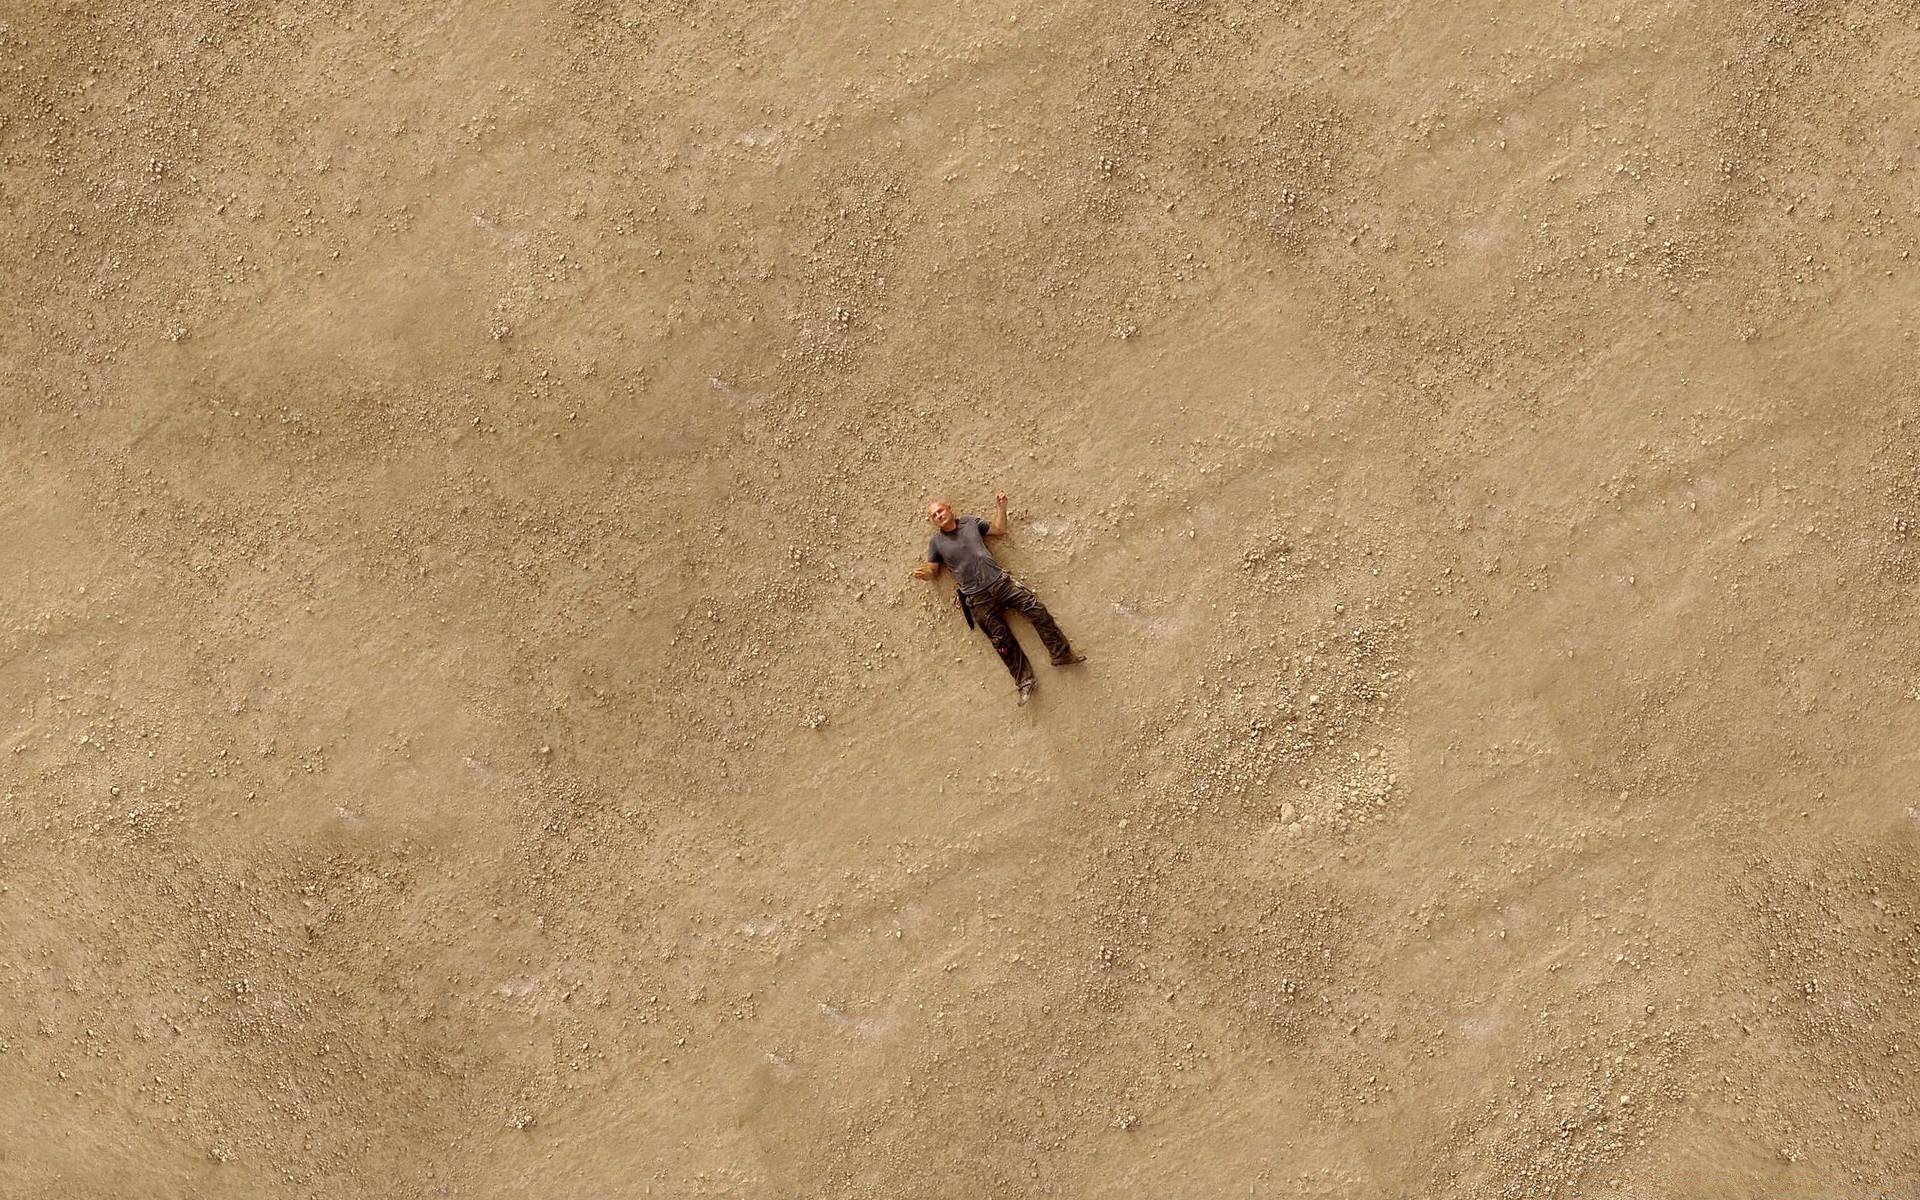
(1021, 598)
(989, 614)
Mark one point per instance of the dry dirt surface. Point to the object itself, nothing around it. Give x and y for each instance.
(467, 729)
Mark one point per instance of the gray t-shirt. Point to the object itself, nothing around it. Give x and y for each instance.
(964, 552)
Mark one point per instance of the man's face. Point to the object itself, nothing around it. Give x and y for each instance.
(941, 514)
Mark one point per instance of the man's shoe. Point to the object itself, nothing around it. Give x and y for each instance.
(1026, 693)
(1069, 660)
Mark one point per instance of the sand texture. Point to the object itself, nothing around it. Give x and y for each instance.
(467, 728)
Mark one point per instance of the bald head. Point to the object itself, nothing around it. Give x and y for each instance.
(941, 514)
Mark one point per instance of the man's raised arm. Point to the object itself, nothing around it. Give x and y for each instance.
(998, 525)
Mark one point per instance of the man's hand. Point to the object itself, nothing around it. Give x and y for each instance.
(926, 570)
(998, 525)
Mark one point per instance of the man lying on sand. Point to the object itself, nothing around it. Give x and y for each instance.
(986, 591)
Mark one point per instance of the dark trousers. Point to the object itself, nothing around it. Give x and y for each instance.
(990, 606)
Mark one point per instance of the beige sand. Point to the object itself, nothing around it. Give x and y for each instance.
(469, 730)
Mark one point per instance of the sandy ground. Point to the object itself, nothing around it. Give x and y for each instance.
(469, 731)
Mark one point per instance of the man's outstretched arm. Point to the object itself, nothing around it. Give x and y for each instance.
(998, 525)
